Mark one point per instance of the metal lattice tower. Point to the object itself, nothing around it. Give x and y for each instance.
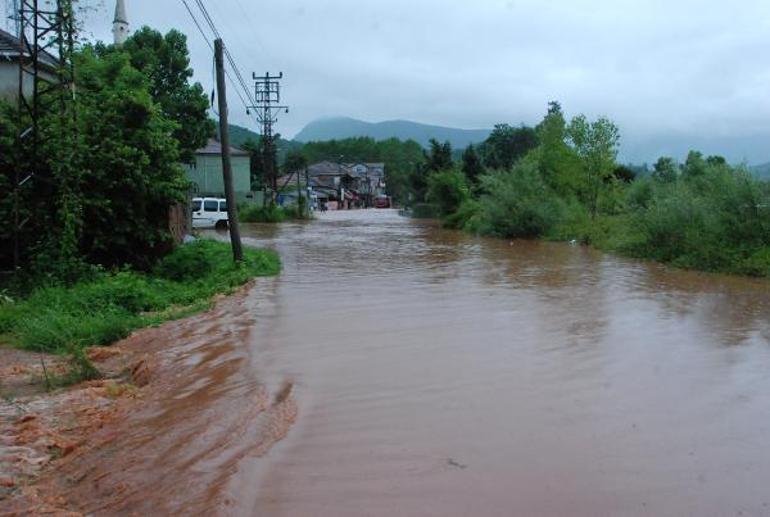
(46, 84)
(267, 90)
(12, 16)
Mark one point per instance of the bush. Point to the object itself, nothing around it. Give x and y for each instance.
(715, 220)
(105, 309)
(447, 190)
(259, 214)
(194, 260)
(517, 203)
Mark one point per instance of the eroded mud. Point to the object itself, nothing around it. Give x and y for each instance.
(165, 440)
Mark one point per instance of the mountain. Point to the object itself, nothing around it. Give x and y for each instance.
(342, 127)
(240, 135)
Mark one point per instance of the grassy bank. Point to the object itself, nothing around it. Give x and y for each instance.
(108, 306)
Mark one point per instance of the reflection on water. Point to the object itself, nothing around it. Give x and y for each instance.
(441, 374)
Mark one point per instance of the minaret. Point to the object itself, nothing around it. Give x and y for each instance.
(120, 24)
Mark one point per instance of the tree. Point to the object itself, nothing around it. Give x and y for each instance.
(256, 166)
(506, 145)
(165, 61)
(132, 176)
(596, 143)
(472, 167)
(694, 166)
(557, 162)
(447, 189)
(665, 170)
(437, 159)
(624, 174)
(440, 156)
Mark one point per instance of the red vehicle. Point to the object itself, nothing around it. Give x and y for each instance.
(382, 202)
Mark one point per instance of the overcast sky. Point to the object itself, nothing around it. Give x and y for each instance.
(663, 70)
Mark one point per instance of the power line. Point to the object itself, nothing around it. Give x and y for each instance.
(243, 88)
(210, 21)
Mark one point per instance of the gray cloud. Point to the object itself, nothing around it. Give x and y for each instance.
(677, 70)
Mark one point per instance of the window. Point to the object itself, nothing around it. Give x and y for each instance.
(196, 205)
(210, 206)
(223, 206)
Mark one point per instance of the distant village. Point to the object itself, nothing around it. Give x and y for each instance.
(328, 185)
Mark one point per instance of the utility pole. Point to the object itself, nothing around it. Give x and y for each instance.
(227, 170)
(299, 198)
(267, 91)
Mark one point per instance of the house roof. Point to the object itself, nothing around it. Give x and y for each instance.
(9, 49)
(213, 147)
(8, 43)
(328, 168)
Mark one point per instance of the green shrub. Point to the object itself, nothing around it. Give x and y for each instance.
(109, 307)
(465, 217)
(757, 264)
(259, 214)
(447, 190)
(715, 220)
(517, 203)
(191, 261)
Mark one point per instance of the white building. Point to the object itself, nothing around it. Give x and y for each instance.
(10, 50)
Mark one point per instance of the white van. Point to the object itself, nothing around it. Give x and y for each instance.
(209, 212)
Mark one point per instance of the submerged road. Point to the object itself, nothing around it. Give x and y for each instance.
(441, 374)
(397, 369)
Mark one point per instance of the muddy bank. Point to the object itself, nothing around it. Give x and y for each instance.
(180, 409)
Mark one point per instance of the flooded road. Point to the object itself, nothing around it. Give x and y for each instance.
(397, 369)
(440, 374)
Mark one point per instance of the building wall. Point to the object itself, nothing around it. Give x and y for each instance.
(207, 175)
(9, 81)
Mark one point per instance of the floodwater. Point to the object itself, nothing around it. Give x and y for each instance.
(441, 374)
(432, 373)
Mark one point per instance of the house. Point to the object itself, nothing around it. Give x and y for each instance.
(10, 50)
(347, 185)
(205, 172)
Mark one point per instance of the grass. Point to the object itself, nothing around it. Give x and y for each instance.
(110, 306)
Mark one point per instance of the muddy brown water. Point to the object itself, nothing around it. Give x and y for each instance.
(433, 373)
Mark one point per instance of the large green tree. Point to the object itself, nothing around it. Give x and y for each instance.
(165, 61)
(472, 166)
(506, 145)
(558, 164)
(131, 174)
(596, 143)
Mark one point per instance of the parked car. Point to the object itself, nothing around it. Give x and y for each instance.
(382, 202)
(209, 212)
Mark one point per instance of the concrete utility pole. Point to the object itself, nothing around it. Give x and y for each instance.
(227, 170)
